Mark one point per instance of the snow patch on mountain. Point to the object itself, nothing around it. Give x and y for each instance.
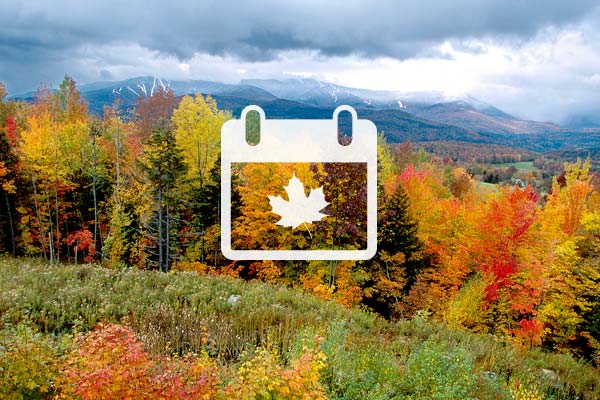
(153, 87)
(334, 93)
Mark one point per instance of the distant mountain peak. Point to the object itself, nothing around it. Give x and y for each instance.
(465, 112)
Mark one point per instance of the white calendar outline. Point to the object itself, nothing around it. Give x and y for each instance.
(299, 140)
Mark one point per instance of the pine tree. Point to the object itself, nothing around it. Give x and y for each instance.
(205, 209)
(163, 166)
(400, 256)
(397, 232)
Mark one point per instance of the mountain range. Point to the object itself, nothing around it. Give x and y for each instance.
(416, 116)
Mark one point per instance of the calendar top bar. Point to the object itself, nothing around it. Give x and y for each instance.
(295, 140)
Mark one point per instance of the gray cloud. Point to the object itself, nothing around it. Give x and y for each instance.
(41, 41)
(41, 35)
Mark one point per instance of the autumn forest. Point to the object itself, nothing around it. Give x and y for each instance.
(139, 189)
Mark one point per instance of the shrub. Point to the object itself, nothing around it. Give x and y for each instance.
(29, 364)
(223, 318)
(358, 370)
(263, 377)
(434, 371)
(164, 308)
(110, 363)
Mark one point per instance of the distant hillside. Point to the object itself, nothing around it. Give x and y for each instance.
(398, 126)
(319, 93)
(483, 120)
(477, 153)
(418, 117)
(129, 92)
(464, 112)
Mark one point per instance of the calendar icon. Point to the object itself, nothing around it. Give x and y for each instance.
(298, 192)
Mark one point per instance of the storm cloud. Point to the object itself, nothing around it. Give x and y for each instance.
(41, 40)
(258, 30)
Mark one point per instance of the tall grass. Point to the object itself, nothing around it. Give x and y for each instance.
(367, 357)
(172, 313)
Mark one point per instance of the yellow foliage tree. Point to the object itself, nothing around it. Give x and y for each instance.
(198, 124)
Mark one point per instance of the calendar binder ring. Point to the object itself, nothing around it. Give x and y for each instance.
(253, 108)
(336, 118)
(351, 110)
(253, 137)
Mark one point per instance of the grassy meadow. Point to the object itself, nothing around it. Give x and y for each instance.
(526, 166)
(255, 337)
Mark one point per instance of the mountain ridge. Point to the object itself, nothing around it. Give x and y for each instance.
(418, 117)
(435, 106)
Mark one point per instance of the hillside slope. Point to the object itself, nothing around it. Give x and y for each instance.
(418, 117)
(481, 119)
(365, 357)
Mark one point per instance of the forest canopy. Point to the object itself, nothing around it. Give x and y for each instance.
(143, 190)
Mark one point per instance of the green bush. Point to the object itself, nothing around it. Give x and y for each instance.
(434, 371)
(357, 369)
(29, 363)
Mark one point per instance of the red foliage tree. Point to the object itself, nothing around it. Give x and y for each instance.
(83, 241)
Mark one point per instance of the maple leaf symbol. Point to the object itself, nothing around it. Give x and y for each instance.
(300, 209)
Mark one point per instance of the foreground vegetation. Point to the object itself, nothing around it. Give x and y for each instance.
(518, 260)
(89, 332)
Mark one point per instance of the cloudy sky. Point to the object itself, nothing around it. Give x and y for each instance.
(537, 59)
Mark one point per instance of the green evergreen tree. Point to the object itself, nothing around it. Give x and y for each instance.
(163, 167)
(399, 259)
(205, 207)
